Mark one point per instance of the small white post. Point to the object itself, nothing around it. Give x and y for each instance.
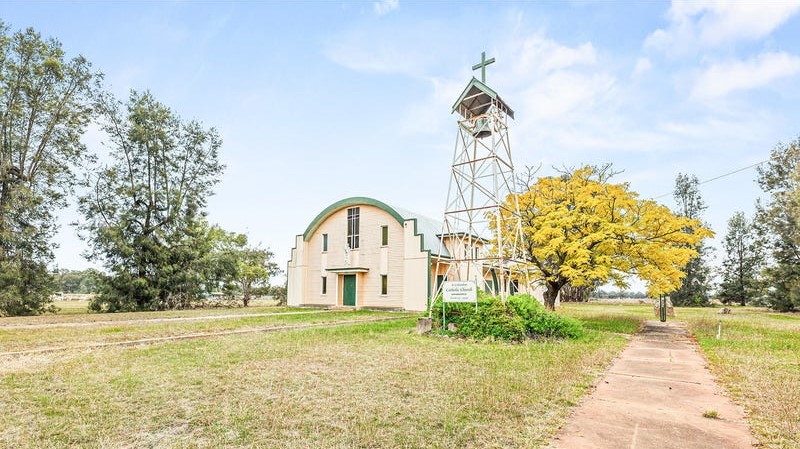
(719, 329)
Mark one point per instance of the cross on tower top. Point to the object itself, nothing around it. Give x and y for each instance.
(482, 65)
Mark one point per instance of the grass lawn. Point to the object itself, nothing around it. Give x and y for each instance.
(371, 385)
(757, 359)
(62, 335)
(72, 307)
(78, 311)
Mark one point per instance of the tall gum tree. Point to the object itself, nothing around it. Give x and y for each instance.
(144, 211)
(581, 229)
(779, 219)
(46, 102)
(742, 263)
(694, 290)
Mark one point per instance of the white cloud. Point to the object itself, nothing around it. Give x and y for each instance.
(548, 82)
(536, 55)
(745, 20)
(544, 80)
(643, 65)
(568, 99)
(382, 48)
(379, 59)
(723, 78)
(560, 94)
(384, 7)
(710, 23)
(429, 114)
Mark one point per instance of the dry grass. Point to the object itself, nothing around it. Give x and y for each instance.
(63, 335)
(72, 307)
(757, 359)
(374, 385)
(77, 311)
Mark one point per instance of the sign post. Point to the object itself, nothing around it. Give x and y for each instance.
(458, 291)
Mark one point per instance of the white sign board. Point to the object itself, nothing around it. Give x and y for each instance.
(460, 291)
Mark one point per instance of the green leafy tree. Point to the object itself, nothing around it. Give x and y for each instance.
(240, 269)
(45, 105)
(144, 211)
(222, 261)
(278, 293)
(695, 287)
(68, 281)
(77, 281)
(90, 281)
(742, 263)
(779, 219)
(255, 268)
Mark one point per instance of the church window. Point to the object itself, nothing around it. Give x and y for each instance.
(384, 284)
(384, 235)
(353, 216)
(324, 284)
(324, 242)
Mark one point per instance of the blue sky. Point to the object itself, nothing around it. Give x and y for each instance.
(359, 93)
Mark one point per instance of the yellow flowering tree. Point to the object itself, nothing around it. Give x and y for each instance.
(580, 229)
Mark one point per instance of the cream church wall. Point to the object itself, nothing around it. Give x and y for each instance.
(405, 267)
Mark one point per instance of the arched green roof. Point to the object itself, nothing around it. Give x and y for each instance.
(348, 202)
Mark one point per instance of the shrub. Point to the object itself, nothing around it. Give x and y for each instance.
(492, 320)
(542, 322)
(521, 316)
(457, 312)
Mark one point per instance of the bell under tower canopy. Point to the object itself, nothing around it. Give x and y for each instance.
(476, 100)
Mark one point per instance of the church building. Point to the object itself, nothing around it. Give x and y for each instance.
(362, 252)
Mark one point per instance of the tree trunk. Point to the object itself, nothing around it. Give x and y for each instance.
(5, 199)
(551, 293)
(574, 294)
(245, 294)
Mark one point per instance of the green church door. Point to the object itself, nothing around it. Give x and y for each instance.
(349, 290)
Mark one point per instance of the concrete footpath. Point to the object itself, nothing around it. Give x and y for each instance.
(654, 396)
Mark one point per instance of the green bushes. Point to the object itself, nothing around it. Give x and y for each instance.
(522, 316)
(542, 322)
(494, 320)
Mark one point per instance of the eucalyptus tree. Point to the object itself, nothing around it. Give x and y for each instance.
(145, 210)
(779, 217)
(237, 267)
(694, 289)
(46, 103)
(742, 263)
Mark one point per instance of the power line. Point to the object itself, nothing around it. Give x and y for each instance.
(720, 176)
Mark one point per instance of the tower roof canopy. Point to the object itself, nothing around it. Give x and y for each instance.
(476, 100)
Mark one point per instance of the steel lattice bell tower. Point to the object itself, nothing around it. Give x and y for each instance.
(482, 235)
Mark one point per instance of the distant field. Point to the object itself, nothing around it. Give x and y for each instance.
(72, 307)
(82, 305)
(757, 359)
(364, 385)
